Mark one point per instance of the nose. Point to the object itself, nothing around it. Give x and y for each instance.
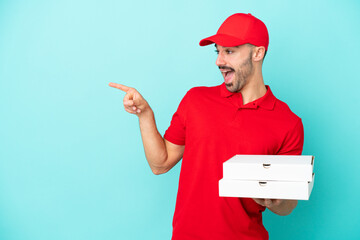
(220, 60)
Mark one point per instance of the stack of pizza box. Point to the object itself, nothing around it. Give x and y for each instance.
(268, 176)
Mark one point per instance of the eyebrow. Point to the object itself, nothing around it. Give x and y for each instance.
(228, 47)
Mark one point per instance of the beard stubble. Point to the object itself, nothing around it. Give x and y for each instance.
(241, 75)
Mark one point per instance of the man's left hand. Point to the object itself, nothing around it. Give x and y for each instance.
(279, 206)
(268, 203)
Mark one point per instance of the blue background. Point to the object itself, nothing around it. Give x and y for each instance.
(72, 164)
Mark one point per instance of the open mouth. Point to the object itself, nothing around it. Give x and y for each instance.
(227, 74)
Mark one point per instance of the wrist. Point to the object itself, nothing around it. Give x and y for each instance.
(145, 114)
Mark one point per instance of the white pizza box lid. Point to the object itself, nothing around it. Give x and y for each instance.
(269, 167)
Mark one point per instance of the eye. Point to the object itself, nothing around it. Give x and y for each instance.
(217, 51)
(228, 51)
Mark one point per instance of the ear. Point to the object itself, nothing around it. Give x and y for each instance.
(258, 54)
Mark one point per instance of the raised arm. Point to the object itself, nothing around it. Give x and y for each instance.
(161, 154)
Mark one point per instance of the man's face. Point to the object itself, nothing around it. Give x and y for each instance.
(235, 65)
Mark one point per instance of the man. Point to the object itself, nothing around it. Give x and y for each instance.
(212, 124)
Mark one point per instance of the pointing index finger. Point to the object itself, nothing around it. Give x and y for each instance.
(119, 86)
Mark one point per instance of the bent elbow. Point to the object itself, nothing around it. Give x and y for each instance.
(156, 172)
(159, 171)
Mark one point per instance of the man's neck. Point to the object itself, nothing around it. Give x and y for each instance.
(254, 89)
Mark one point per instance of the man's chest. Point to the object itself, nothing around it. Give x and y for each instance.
(241, 131)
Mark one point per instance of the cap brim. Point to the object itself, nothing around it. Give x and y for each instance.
(222, 40)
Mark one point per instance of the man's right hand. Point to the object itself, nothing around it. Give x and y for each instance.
(161, 154)
(133, 101)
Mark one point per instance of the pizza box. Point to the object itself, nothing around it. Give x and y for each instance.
(296, 190)
(269, 167)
